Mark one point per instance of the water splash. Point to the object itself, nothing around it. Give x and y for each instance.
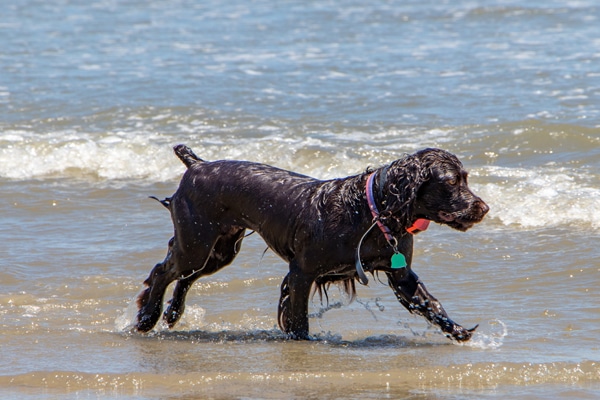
(126, 321)
(489, 340)
(192, 319)
(322, 310)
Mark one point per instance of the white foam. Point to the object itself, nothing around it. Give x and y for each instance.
(540, 197)
(27, 156)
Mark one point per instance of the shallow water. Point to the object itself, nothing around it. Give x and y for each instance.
(94, 95)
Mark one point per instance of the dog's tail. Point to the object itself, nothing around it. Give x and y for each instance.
(186, 155)
(166, 202)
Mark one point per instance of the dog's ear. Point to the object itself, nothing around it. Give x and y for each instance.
(404, 178)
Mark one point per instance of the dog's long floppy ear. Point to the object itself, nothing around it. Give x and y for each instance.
(404, 178)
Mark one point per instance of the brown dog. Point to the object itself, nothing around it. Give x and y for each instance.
(328, 231)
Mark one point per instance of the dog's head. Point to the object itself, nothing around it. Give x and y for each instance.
(432, 184)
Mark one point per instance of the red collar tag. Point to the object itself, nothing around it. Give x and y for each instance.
(420, 225)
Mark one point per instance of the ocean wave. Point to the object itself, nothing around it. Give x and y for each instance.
(541, 197)
(148, 157)
(25, 156)
(533, 174)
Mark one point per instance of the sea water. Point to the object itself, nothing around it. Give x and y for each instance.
(93, 95)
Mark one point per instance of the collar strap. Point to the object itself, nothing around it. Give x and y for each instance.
(375, 212)
(419, 225)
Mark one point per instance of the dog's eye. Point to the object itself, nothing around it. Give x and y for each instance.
(452, 181)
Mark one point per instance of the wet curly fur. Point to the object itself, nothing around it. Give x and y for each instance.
(314, 225)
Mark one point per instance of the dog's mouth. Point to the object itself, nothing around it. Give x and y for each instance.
(458, 221)
(466, 218)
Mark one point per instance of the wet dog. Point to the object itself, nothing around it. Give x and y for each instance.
(329, 231)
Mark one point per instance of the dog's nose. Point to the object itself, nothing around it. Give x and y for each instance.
(483, 207)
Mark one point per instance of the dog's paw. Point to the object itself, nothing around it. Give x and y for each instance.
(146, 321)
(461, 334)
(144, 324)
(299, 336)
(172, 315)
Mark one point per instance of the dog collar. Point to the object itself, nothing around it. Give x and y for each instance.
(419, 225)
(398, 260)
(375, 212)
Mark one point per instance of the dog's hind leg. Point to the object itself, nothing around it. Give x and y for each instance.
(181, 261)
(222, 254)
(150, 300)
(292, 312)
(177, 302)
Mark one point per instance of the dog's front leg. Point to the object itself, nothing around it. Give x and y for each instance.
(293, 303)
(413, 295)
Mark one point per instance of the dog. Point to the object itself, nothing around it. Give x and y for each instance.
(329, 231)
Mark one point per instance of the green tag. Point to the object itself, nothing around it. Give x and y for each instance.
(398, 261)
